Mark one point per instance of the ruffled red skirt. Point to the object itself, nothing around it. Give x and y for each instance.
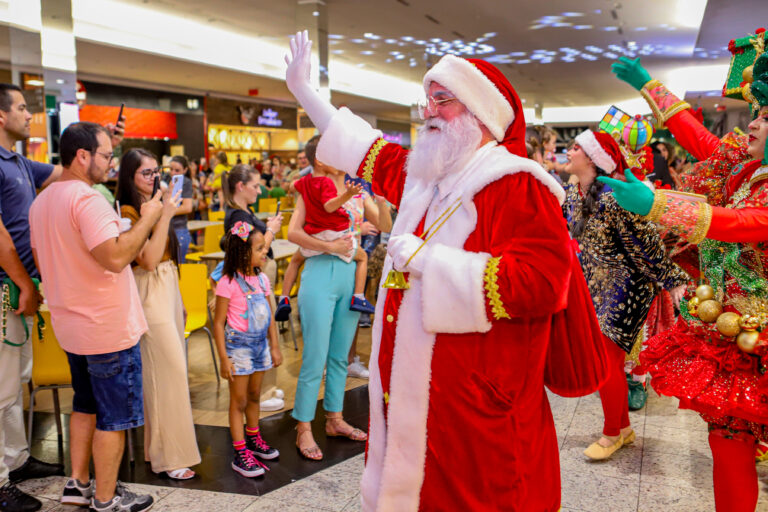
(710, 375)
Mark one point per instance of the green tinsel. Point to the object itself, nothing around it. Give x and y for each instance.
(684, 311)
(718, 258)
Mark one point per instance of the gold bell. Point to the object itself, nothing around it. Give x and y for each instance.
(395, 281)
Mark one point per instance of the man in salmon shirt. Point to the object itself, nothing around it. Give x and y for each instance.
(84, 258)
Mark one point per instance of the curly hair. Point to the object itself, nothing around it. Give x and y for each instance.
(238, 255)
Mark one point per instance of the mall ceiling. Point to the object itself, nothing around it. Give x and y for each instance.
(556, 53)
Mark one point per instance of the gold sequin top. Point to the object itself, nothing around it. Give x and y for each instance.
(624, 260)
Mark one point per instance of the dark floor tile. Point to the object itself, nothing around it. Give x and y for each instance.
(215, 472)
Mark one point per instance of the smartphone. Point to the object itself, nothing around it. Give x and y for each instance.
(156, 186)
(278, 207)
(119, 115)
(177, 182)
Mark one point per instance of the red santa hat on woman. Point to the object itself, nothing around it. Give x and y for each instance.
(603, 150)
(487, 94)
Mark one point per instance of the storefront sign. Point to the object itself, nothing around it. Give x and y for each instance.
(268, 117)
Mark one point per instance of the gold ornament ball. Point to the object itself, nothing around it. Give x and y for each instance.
(746, 74)
(729, 324)
(705, 292)
(693, 306)
(709, 310)
(750, 323)
(747, 341)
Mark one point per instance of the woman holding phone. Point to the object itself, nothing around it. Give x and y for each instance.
(169, 432)
(179, 166)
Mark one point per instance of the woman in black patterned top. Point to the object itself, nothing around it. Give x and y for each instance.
(623, 260)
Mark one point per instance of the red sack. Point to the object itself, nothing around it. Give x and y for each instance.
(577, 362)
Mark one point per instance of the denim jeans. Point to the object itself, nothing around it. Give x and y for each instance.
(109, 386)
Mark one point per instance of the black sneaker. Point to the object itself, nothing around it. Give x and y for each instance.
(34, 468)
(247, 465)
(77, 493)
(124, 501)
(12, 499)
(260, 448)
(283, 311)
(365, 320)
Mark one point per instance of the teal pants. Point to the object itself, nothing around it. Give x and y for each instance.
(329, 327)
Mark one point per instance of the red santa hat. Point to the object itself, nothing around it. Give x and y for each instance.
(603, 150)
(487, 94)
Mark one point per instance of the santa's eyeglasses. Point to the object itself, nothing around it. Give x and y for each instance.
(431, 103)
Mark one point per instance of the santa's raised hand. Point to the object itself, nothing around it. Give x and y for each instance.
(297, 78)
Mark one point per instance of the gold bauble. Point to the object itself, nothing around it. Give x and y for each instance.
(729, 324)
(709, 310)
(750, 323)
(747, 341)
(693, 306)
(705, 292)
(746, 74)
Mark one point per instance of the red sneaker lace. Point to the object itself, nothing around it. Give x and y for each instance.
(250, 460)
(259, 441)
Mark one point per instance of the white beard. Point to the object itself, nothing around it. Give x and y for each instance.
(438, 153)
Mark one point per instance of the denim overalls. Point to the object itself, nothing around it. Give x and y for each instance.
(249, 351)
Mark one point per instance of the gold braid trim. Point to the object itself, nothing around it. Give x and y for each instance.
(657, 210)
(661, 116)
(702, 224)
(370, 160)
(492, 288)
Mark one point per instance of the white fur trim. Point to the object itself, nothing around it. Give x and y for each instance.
(346, 141)
(595, 151)
(475, 91)
(454, 284)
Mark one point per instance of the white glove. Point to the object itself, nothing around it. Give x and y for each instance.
(297, 79)
(402, 247)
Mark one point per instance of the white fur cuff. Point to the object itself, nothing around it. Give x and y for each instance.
(346, 141)
(454, 291)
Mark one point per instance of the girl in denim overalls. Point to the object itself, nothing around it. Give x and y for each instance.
(247, 342)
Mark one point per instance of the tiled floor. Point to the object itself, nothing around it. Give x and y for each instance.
(668, 469)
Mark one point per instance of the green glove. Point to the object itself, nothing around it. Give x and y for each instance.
(631, 195)
(631, 71)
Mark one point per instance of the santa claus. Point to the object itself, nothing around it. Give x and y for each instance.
(459, 417)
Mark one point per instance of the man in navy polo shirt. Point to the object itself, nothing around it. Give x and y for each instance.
(19, 180)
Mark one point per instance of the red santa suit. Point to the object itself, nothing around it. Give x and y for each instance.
(459, 415)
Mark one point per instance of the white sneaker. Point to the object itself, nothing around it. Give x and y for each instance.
(273, 404)
(358, 369)
(279, 393)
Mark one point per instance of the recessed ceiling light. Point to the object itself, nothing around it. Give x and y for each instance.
(315, 13)
(335, 36)
(367, 52)
(357, 41)
(524, 61)
(582, 27)
(390, 41)
(337, 52)
(407, 38)
(516, 54)
(572, 14)
(610, 28)
(369, 35)
(641, 29)
(489, 34)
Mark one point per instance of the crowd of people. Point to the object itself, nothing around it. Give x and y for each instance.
(517, 305)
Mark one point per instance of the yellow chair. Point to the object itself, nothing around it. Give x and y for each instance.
(50, 370)
(268, 204)
(218, 215)
(192, 283)
(211, 238)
